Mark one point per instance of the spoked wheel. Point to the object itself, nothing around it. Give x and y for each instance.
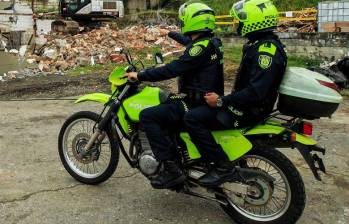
(94, 166)
(277, 202)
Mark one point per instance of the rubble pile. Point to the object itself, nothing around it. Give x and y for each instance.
(337, 71)
(300, 26)
(99, 46)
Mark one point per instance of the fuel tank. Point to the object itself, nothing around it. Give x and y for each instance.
(147, 97)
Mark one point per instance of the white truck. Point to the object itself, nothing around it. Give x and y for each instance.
(77, 13)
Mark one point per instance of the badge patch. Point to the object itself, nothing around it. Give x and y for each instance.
(195, 51)
(265, 61)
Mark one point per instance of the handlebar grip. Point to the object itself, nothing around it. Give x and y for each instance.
(131, 69)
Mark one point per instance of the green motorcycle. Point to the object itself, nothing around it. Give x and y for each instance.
(268, 187)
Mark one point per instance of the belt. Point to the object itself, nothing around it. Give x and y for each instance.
(195, 98)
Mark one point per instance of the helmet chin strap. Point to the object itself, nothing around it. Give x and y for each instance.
(239, 29)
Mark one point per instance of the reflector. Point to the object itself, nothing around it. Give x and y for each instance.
(331, 85)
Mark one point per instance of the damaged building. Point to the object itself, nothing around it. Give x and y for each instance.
(16, 24)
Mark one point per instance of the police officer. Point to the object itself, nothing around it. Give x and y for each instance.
(200, 70)
(261, 71)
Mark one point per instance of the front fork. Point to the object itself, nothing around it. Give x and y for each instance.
(102, 125)
(97, 135)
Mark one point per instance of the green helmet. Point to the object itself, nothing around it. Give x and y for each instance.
(196, 17)
(255, 15)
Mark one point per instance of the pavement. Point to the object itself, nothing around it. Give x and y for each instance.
(35, 188)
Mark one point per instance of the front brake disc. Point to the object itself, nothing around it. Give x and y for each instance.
(78, 146)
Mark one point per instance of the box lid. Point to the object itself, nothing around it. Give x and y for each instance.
(303, 83)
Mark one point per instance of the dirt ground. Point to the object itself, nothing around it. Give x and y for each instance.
(35, 188)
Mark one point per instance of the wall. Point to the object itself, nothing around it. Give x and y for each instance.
(20, 18)
(141, 5)
(332, 12)
(326, 46)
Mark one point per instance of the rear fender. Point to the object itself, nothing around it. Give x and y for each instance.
(268, 129)
(305, 145)
(94, 97)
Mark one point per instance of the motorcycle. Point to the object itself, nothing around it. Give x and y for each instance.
(267, 188)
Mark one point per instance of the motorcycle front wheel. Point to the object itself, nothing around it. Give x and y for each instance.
(271, 202)
(100, 162)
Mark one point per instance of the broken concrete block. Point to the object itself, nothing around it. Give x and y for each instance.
(61, 65)
(61, 43)
(50, 53)
(83, 61)
(13, 51)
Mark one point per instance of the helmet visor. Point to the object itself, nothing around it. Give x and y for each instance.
(238, 12)
(181, 11)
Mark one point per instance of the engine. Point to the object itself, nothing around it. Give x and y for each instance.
(148, 164)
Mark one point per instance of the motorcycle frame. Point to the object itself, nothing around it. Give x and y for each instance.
(280, 140)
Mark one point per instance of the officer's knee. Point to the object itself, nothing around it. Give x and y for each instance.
(190, 119)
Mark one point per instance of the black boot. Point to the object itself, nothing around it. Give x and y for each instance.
(169, 177)
(221, 173)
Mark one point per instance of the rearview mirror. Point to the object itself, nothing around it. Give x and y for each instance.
(159, 59)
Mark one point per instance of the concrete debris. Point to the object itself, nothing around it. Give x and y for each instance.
(299, 26)
(41, 40)
(31, 60)
(12, 74)
(3, 45)
(13, 51)
(50, 53)
(149, 57)
(22, 50)
(99, 46)
(337, 71)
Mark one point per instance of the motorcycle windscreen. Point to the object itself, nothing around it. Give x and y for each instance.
(234, 144)
(148, 97)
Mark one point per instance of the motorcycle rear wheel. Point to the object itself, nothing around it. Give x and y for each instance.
(251, 212)
(97, 166)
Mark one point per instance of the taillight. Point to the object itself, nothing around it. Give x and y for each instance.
(307, 128)
(330, 85)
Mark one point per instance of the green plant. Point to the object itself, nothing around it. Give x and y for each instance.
(222, 7)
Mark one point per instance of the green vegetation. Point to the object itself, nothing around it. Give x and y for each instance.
(233, 56)
(222, 7)
(302, 61)
(46, 10)
(91, 69)
(232, 60)
(296, 4)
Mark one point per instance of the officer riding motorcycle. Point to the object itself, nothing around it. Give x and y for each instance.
(200, 70)
(261, 71)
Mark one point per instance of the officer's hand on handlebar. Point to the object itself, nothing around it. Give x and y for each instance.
(132, 76)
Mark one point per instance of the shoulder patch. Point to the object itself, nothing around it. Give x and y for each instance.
(195, 51)
(203, 43)
(265, 61)
(269, 48)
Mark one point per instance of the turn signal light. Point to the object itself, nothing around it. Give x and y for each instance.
(307, 128)
(293, 137)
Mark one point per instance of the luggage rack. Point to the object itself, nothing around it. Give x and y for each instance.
(289, 121)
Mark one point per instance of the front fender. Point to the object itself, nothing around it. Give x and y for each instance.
(94, 97)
